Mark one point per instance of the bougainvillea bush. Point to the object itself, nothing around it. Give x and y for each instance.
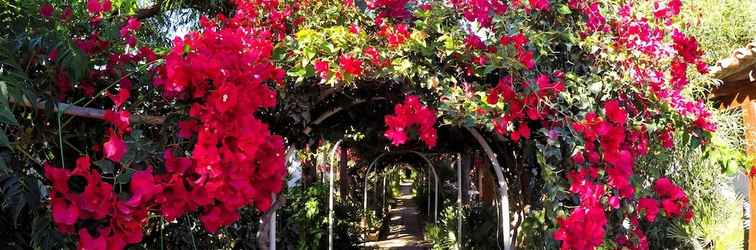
(582, 88)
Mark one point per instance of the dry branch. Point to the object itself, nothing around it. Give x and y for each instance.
(79, 111)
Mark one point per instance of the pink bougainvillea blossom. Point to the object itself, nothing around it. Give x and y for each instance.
(411, 115)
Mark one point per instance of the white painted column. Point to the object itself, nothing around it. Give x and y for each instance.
(459, 200)
(330, 195)
(272, 231)
(503, 188)
(330, 209)
(427, 191)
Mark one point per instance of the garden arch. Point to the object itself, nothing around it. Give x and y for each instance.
(430, 166)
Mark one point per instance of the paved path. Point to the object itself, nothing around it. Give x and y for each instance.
(405, 229)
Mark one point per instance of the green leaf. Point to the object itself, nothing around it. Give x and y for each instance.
(14, 199)
(6, 116)
(105, 165)
(125, 176)
(44, 235)
(4, 139)
(563, 9)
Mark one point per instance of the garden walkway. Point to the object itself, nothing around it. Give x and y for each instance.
(406, 231)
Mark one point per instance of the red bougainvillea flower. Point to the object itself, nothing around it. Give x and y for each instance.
(67, 14)
(542, 5)
(351, 65)
(114, 148)
(128, 30)
(92, 44)
(187, 128)
(143, 188)
(473, 42)
(96, 7)
(650, 207)
(670, 198)
(120, 119)
(64, 211)
(390, 8)
(673, 199)
(583, 229)
(480, 11)
(526, 58)
(124, 92)
(88, 241)
(666, 138)
(614, 112)
(78, 194)
(236, 161)
(519, 41)
(375, 58)
(523, 131)
(411, 115)
(666, 10)
(686, 47)
(394, 35)
(46, 10)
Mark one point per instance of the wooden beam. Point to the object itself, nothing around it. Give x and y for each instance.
(732, 87)
(749, 120)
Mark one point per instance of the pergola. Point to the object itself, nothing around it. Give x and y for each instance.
(738, 75)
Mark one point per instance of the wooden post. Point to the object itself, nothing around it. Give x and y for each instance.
(749, 120)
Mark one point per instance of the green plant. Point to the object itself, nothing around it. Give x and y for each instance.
(304, 220)
(478, 230)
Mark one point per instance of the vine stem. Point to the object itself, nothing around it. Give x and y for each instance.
(60, 139)
(194, 245)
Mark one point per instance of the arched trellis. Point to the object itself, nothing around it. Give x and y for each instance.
(330, 194)
(503, 188)
(501, 181)
(430, 166)
(336, 110)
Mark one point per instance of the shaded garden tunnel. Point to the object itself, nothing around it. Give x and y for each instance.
(329, 115)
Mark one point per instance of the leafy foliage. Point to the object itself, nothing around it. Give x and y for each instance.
(306, 220)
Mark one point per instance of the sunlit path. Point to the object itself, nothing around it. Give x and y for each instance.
(406, 231)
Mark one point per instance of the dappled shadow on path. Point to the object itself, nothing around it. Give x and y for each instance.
(405, 230)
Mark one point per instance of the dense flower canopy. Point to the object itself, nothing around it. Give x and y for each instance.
(585, 82)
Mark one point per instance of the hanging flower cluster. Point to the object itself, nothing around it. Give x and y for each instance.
(519, 41)
(481, 11)
(128, 30)
(395, 9)
(223, 73)
(649, 37)
(524, 103)
(670, 198)
(611, 145)
(613, 148)
(395, 35)
(411, 117)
